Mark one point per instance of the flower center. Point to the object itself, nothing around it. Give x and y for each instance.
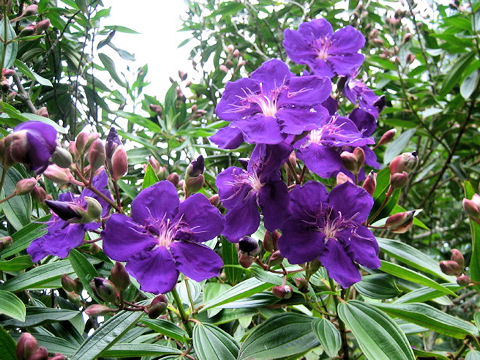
(254, 181)
(165, 230)
(321, 47)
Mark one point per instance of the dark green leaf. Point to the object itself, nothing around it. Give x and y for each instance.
(377, 286)
(16, 264)
(12, 306)
(7, 345)
(137, 350)
(84, 270)
(110, 66)
(328, 335)
(38, 315)
(17, 209)
(166, 328)
(475, 232)
(454, 74)
(11, 49)
(212, 343)
(397, 145)
(22, 238)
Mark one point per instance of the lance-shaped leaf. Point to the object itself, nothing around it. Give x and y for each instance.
(328, 335)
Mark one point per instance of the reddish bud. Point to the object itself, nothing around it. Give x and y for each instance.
(119, 276)
(275, 258)
(301, 284)
(8, 72)
(193, 184)
(174, 178)
(42, 112)
(410, 58)
(359, 154)
(27, 345)
(58, 356)
(457, 256)
(96, 155)
(404, 162)
(399, 180)
(245, 260)
(28, 30)
(342, 178)
(25, 186)
(97, 310)
(464, 280)
(230, 48)
(78, 285)
(42, 26)
(30, 10)
(157, 307)
(39, 194)
(157, 109)
(401, 222)
(370, 183)
(68, 283)
(223, 68)
(182, 75)
(407, 38)
(72, 148)
(471, 207)
(236, 53)
(270, 240)
(248, 245)
(119, 163)
(283, 291)
(16, 147)
(5, 241)
(349, 161)
(387, 137)
(58, 175)
(450, 267)
(214, 200)
(81, 142)
(105, 289)
(40, 354)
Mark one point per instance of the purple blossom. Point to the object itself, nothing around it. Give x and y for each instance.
(64, 233)
(325, 52)
(271, 105)
(33, 143)
(242, 192)
(328, 227)
(320, 149)
(163, 236)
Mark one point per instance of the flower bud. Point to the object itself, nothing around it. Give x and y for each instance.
(65, 210)
(312, 268)
(17, 147)
(30, 10)
(370, 183)
(471, 208)
(245, 260)
(58, 356)
(359, 154)
(5, 241)
(399, 180)
(40, 354)
(223, 68)
(97, 310)
(193, 184)
(275, 258)
(78, 284)
(28, 30)
(119, 163)
(410, 58)
(182, 75)
(401, 222)
(342, 178)
(43, 110)
(113, 141)
(62, 157)
(464, 280)
(196, 167)
(58, 175)
(157, 307)
(457, 256)
(74, 298)
(96, 155)
(81, 142)
(349, 161)
(72, 149)
(248, 245)
(236, 53)
(407, 38)
(105, 289)
(27, 345)
(94, 210)
(174, 178)
(283, 291)
(119, 276)
(25, 186)
(301, 284)
(156, 109)
(214, 200)
(8, 72)
(230, 48)
(42, 26)
(39, 194)
(68, 283)
(270, 240)
(387, 137)
(404, 162)
(450, 267)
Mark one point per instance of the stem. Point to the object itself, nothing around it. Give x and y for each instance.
(4, 174)
(341, 325)
(387, 196)
(117, 194)
(189, 294)
(181, 310)
(8, 197)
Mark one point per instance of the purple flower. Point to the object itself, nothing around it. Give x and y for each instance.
(270, 105)
(320, 150)
(163, 236)
(328, 227)
(64, 232)
(325, 52)
(242, 192)
(32, 143)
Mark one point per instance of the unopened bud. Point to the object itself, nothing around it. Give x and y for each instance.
(156, 109)
(230, 48)
(410, 58)
(27, 345)
(58, 175)
(399, 180)
(74, 298)
(457, 256)
(28, 30)
(301, 284)
(349, 161)
(97, 310)
(248, 245)
(387, 137)
(78, 284)
(94, 210)
(312, 268)
(58, 356)
(404, 162)
(17, 147)
(196, 167)
(223, 68)
(194, 184)
(370, 183)
(96, 155)
(342, 178)
(62, 157)
(450, 267)
(81, 142)
(8, 72)
(104, 289)
(275, 258)
(236, 53)
(283, 291)
(68, 283)
(42, 26)
(40, 354)
(245, 260)
(157, 307)
(30, 10)
(43, 110)
(5, 241)
(214, 200)
(270, 240)
(154, 163)
(119, 163)
(407, 38)
(401, 222)
(39, 194)
(464, 280)
(182, 75)
(72, 149)
(471, 208)
(174, 178)
(25, 186)
(119, 276)
(65, 210)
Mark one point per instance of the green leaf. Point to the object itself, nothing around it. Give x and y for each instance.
(166, 328)
(17, 209)
(469, 85)
(430, 318)
(424, 294)
(107, 335)
(56, 344)
(454, 74)
(110, 66)
(137, 350)
(412, 257)
(242, 290)
(8, 346)
(473, 355)
(475, 232)
(410, 275)
(11, 49)
(377, 286)
(230, 257)
(39, 277)
(12, 306)
(398, 145)
(442, 355)
(378, 336)
(279, 336)
(84, 270)
(212, 290)
(16, 264)
(31, 74)
(35, 117)
(150, 177)
(328, 335)
(40, 315)
(212, 343)
(22, 238)
(123, 29)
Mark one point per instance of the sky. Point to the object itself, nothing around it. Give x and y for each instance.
(157, 21)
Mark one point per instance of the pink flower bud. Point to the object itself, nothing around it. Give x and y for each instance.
(72, 148)
(174, 178)
(223, 68)
(410, 58)
(156, 109)
(157, 307)
(182, 75)
(230, 48)
(349, 161)
(194, 184)
(40, 354)
(16, 147)
(58, 175)
(464, 280)
(214, 200)
(387, 137)
(457, 256)
(401, 222)
(404, 162)
(68, 283)
(283, 291)
(270, 240)
(119, 163)
(39, 194)
(245, 260)
(119, 276)
(97, 310)
(43, 110)
(105, 289)
(301, 284)
(27, 345)
(370, 183)
(28, 30)
(359, 154)
(81, 142)
(236, 53)
(25, 186)
(8, 72)
(62, 157)
(5, 241)
(30, 10)
(342, 178)
(96, 155)
(58, 356)
(276, 258)
(450, 267)
(471, 208)
(42, 26)
(407, 38)
(399, 180)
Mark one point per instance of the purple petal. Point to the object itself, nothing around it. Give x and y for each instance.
(351, 201)
(123, 238)
(234, 105)
(273, 199)
(272, 75)
(306, 91)
(321, 67)
(339, 264)
(346, 40)
(154, 270)
(307, 200)
(260, 129)
(298, 47)
(202, 220)
(370, 157)
(364, 121)
(66, 197)
(345, 64)
(159, 201)
(266, 160)
(227, 138)
(232, 186)
(196, 261)
(297, 120)
(241, 220)
(322, 160)
(100, 182)
(363, 248)
(331, 105)
(300, 242)
(317, 28)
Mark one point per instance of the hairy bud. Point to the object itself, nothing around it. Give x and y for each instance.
(30, 10)
(5, 241)
(119, 276)
(270, 240)
(43, 110)
(457, 256)
(174, 178)
(157, 307)
(464, 280)
(301, 284)
(62, 157)
(96, 155)
(450, 267)
(401, 222)
(387, 137)
(404, 162)
(68, 283)
(28, 30)
(276, 258)
(370, 183)
(399, 180)
(245, 260)
(94, 210)
(248, 245)
(157, 109)
(42, 26)
(105, 289)
(65, 210)
(27, 345)
(39, 194)
(58, 175)
(283, 291)
(40, 354)
(471, 207)
(25, 186)
(81, 142)
(342, 178)
(97, 310)
(214, 200)
(119, 163)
